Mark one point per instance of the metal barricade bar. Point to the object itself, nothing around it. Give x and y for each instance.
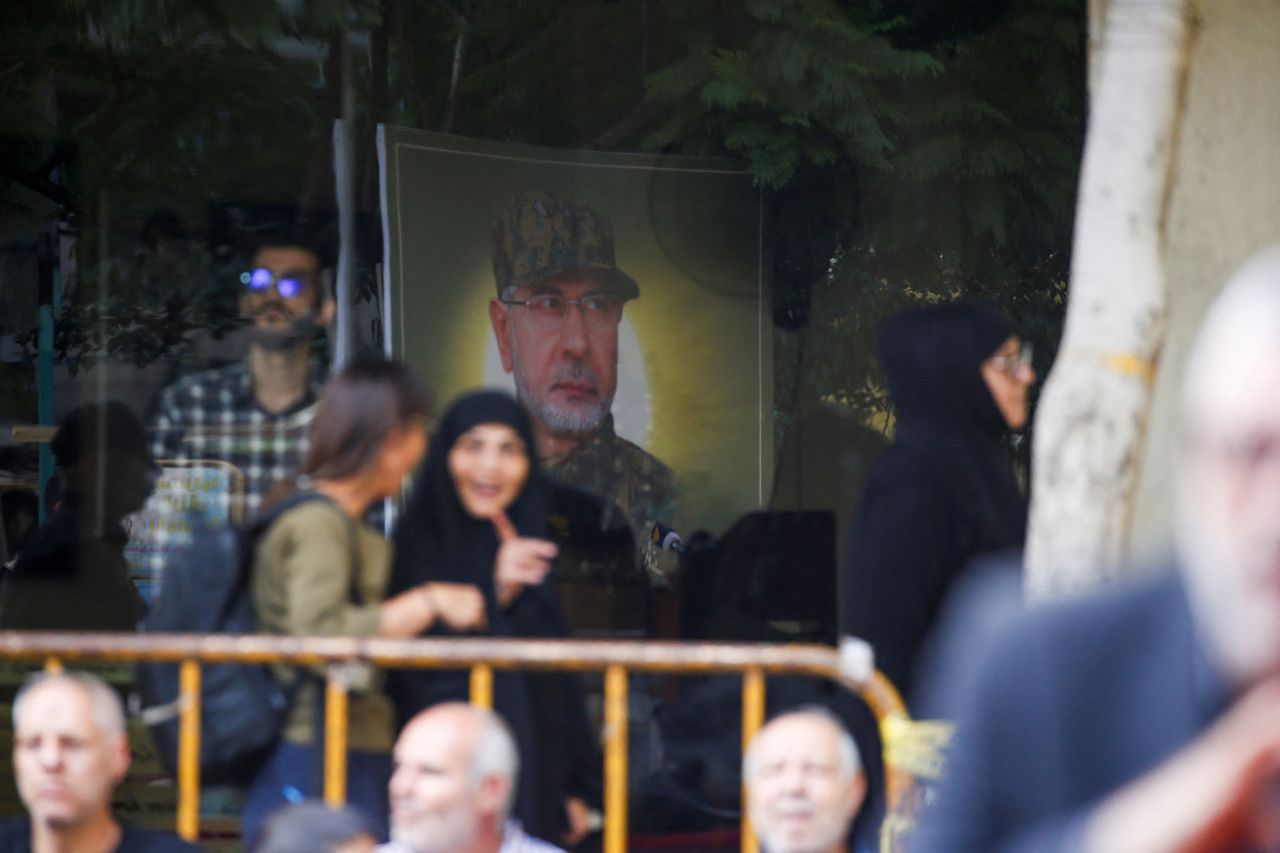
(335, 736)
(615, 759)
(482, 686)
(189, 750)
(753, 694)
(481, 655)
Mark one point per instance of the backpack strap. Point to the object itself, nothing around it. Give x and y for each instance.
(260, 525)
(354, 595)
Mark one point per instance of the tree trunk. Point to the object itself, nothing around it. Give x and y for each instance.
(1093, 414)
(1097, 26)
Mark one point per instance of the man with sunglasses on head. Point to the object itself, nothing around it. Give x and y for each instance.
(560, 298)
(255, 413)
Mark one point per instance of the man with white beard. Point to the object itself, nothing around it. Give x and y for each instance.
(453, 785)
(559, 302)
(804, 783)
(1149, 719)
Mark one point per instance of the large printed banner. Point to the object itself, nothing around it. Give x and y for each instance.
(622, 294)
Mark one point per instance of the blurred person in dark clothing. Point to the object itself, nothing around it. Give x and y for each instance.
(944, 492)
(314, 827)
(982, 602)
(21, 510)
(71, 574)
(1148, 719)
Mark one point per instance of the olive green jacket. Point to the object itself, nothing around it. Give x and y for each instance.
(302, 586)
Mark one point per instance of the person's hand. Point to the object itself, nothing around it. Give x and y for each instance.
(459, 605)
(1211, 796)
(522, 561)
(579, 815)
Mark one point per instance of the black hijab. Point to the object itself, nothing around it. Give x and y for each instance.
(438, 540)
(932, 358)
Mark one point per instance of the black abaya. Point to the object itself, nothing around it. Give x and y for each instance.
(437, 540)
(942, 494)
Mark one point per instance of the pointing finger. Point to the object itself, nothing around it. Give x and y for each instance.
(502, 524)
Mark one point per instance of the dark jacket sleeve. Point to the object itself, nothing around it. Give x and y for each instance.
(898, 564)
(1004, 770)
(537, 612)
(409, 547)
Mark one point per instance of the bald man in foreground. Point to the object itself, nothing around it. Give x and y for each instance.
(454, 783)
(1149, 719)
(804, 783)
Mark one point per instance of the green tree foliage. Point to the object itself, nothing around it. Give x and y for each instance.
(911, 149)
(115, 110)
(908, 162)
(784, 84)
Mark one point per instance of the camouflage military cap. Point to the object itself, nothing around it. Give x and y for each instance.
(539, 235)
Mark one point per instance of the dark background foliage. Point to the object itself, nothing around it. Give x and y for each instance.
(911, 150)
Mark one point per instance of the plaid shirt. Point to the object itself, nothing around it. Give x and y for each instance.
(213, 415)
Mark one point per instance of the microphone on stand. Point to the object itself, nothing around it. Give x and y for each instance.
(666, 538)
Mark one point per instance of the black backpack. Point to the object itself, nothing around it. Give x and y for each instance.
(207, 590)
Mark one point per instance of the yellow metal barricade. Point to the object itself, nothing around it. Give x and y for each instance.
(617, 659)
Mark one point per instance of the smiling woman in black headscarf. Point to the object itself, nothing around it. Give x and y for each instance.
(944, 492)
(478, 514)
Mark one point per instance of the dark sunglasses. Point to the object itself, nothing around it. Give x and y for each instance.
(260, 280)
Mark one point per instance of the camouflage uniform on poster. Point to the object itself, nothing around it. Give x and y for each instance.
(612, 467)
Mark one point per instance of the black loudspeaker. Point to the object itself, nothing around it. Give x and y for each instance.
(769, 577)
(602, 585)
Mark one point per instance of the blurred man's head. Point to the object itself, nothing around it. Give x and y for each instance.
(454, 780)
(283, 294)
(316, 827)
(103, 460)
(70, 749)
(559, 302)
(804, 783)
(1229, 527)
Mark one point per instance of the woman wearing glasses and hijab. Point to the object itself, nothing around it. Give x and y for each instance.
(944, 492)
(479, 515)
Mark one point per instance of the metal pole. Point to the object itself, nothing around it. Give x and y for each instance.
(335, 737)
(615, 759)
(752, 719)
(189, 750)
(345, 192)
(482, 686)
